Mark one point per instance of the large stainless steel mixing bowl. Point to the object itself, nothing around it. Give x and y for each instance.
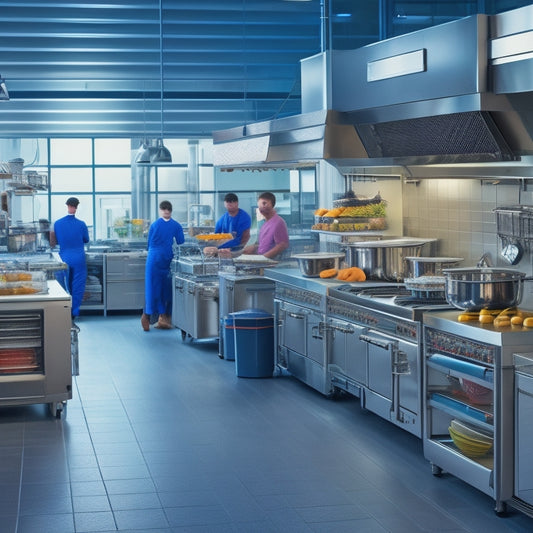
(312, 264)
(478, 288)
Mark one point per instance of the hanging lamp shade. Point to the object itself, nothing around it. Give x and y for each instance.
(144, 152)
(161, 154)
(150, 152)
(153, 152)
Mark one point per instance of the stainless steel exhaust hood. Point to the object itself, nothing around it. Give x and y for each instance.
(450, 100)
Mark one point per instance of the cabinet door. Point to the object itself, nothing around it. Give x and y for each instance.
(293, 328)
(524, 438)
(356, 355)
(315, 341)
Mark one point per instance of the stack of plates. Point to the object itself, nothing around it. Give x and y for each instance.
(471, 441)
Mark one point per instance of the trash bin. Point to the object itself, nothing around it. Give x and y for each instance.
(254, 343)
(228, 343)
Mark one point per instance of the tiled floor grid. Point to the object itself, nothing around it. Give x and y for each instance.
(162, 436)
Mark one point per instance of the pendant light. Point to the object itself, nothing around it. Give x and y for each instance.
(4, 95)
(151, 152)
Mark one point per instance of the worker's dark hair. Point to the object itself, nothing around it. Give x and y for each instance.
(231, 197)
(165, 204)
(268, 196)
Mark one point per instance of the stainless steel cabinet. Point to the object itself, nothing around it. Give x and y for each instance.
(124, 277)
(301, 344)
(195, 307)
(523, 433)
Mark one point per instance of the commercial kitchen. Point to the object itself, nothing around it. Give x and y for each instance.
(287, 396)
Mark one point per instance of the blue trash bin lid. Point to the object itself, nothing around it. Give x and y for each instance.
(251, 313)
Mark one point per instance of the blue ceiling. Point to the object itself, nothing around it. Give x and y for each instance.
(94, 68)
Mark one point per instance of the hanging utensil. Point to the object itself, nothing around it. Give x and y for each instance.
(512, 252)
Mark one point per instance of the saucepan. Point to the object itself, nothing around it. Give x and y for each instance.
(312, 264)
(479, 288)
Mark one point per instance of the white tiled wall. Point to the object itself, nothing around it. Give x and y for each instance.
(460, 213)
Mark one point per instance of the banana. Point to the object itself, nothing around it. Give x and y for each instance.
(491, 312)
(467, 317)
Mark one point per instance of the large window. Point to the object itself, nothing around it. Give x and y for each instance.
(99, 173)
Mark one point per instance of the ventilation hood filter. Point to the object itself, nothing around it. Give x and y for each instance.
(456, 137)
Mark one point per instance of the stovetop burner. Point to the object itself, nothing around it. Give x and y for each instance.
(390, 298)
(417, 301)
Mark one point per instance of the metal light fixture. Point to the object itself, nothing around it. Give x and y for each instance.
(4, 95)
(151, 152)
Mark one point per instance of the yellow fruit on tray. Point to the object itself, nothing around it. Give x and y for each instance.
(214, 236)
(467, 317)
(486, 319)
(328, 273)
(528, 322)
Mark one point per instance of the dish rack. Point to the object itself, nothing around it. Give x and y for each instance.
(515, 223)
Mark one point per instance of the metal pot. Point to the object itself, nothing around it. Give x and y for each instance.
(430, 266)
(385, 260)
(313, 263)
(478, 288)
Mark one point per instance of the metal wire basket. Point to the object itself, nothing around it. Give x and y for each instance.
(515, 222)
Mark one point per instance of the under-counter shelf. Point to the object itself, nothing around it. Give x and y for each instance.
(459, 409)
(462, 369)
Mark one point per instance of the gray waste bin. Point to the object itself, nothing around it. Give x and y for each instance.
(254, 343)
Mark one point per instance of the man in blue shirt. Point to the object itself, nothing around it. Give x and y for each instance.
(72, 234)
(235, 221)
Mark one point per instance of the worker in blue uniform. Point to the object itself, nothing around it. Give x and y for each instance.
(157, 282)
(71, 234)
(235, 221)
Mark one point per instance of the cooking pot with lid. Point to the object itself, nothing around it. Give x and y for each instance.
(385, 260)
(483, 288)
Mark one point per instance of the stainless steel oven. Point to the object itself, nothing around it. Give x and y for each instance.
(374, 351)
(35, 349)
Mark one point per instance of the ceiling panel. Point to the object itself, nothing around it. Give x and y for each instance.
(94, 68)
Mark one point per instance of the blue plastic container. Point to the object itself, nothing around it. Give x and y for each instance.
(254, 343)
(229, 339)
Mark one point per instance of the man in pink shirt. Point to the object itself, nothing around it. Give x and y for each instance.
(273, 236)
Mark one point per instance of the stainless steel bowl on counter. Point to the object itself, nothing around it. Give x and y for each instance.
(478, 288)
(385, 260)
(312, 264)
(430, 266)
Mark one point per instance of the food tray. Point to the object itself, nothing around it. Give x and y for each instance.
(254, 260)
(16, 288)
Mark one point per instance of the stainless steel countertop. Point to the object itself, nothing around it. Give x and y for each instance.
(486, 333)
(293, 276)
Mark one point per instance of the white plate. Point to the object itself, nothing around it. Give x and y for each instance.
(470, 432)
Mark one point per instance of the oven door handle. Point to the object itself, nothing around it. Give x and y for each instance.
(298, 316)
(343, 329)
(386, 345)
(399, 359)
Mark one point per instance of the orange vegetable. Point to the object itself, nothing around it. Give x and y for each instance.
(328, 273)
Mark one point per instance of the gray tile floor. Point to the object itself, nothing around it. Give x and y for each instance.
(161, 436)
